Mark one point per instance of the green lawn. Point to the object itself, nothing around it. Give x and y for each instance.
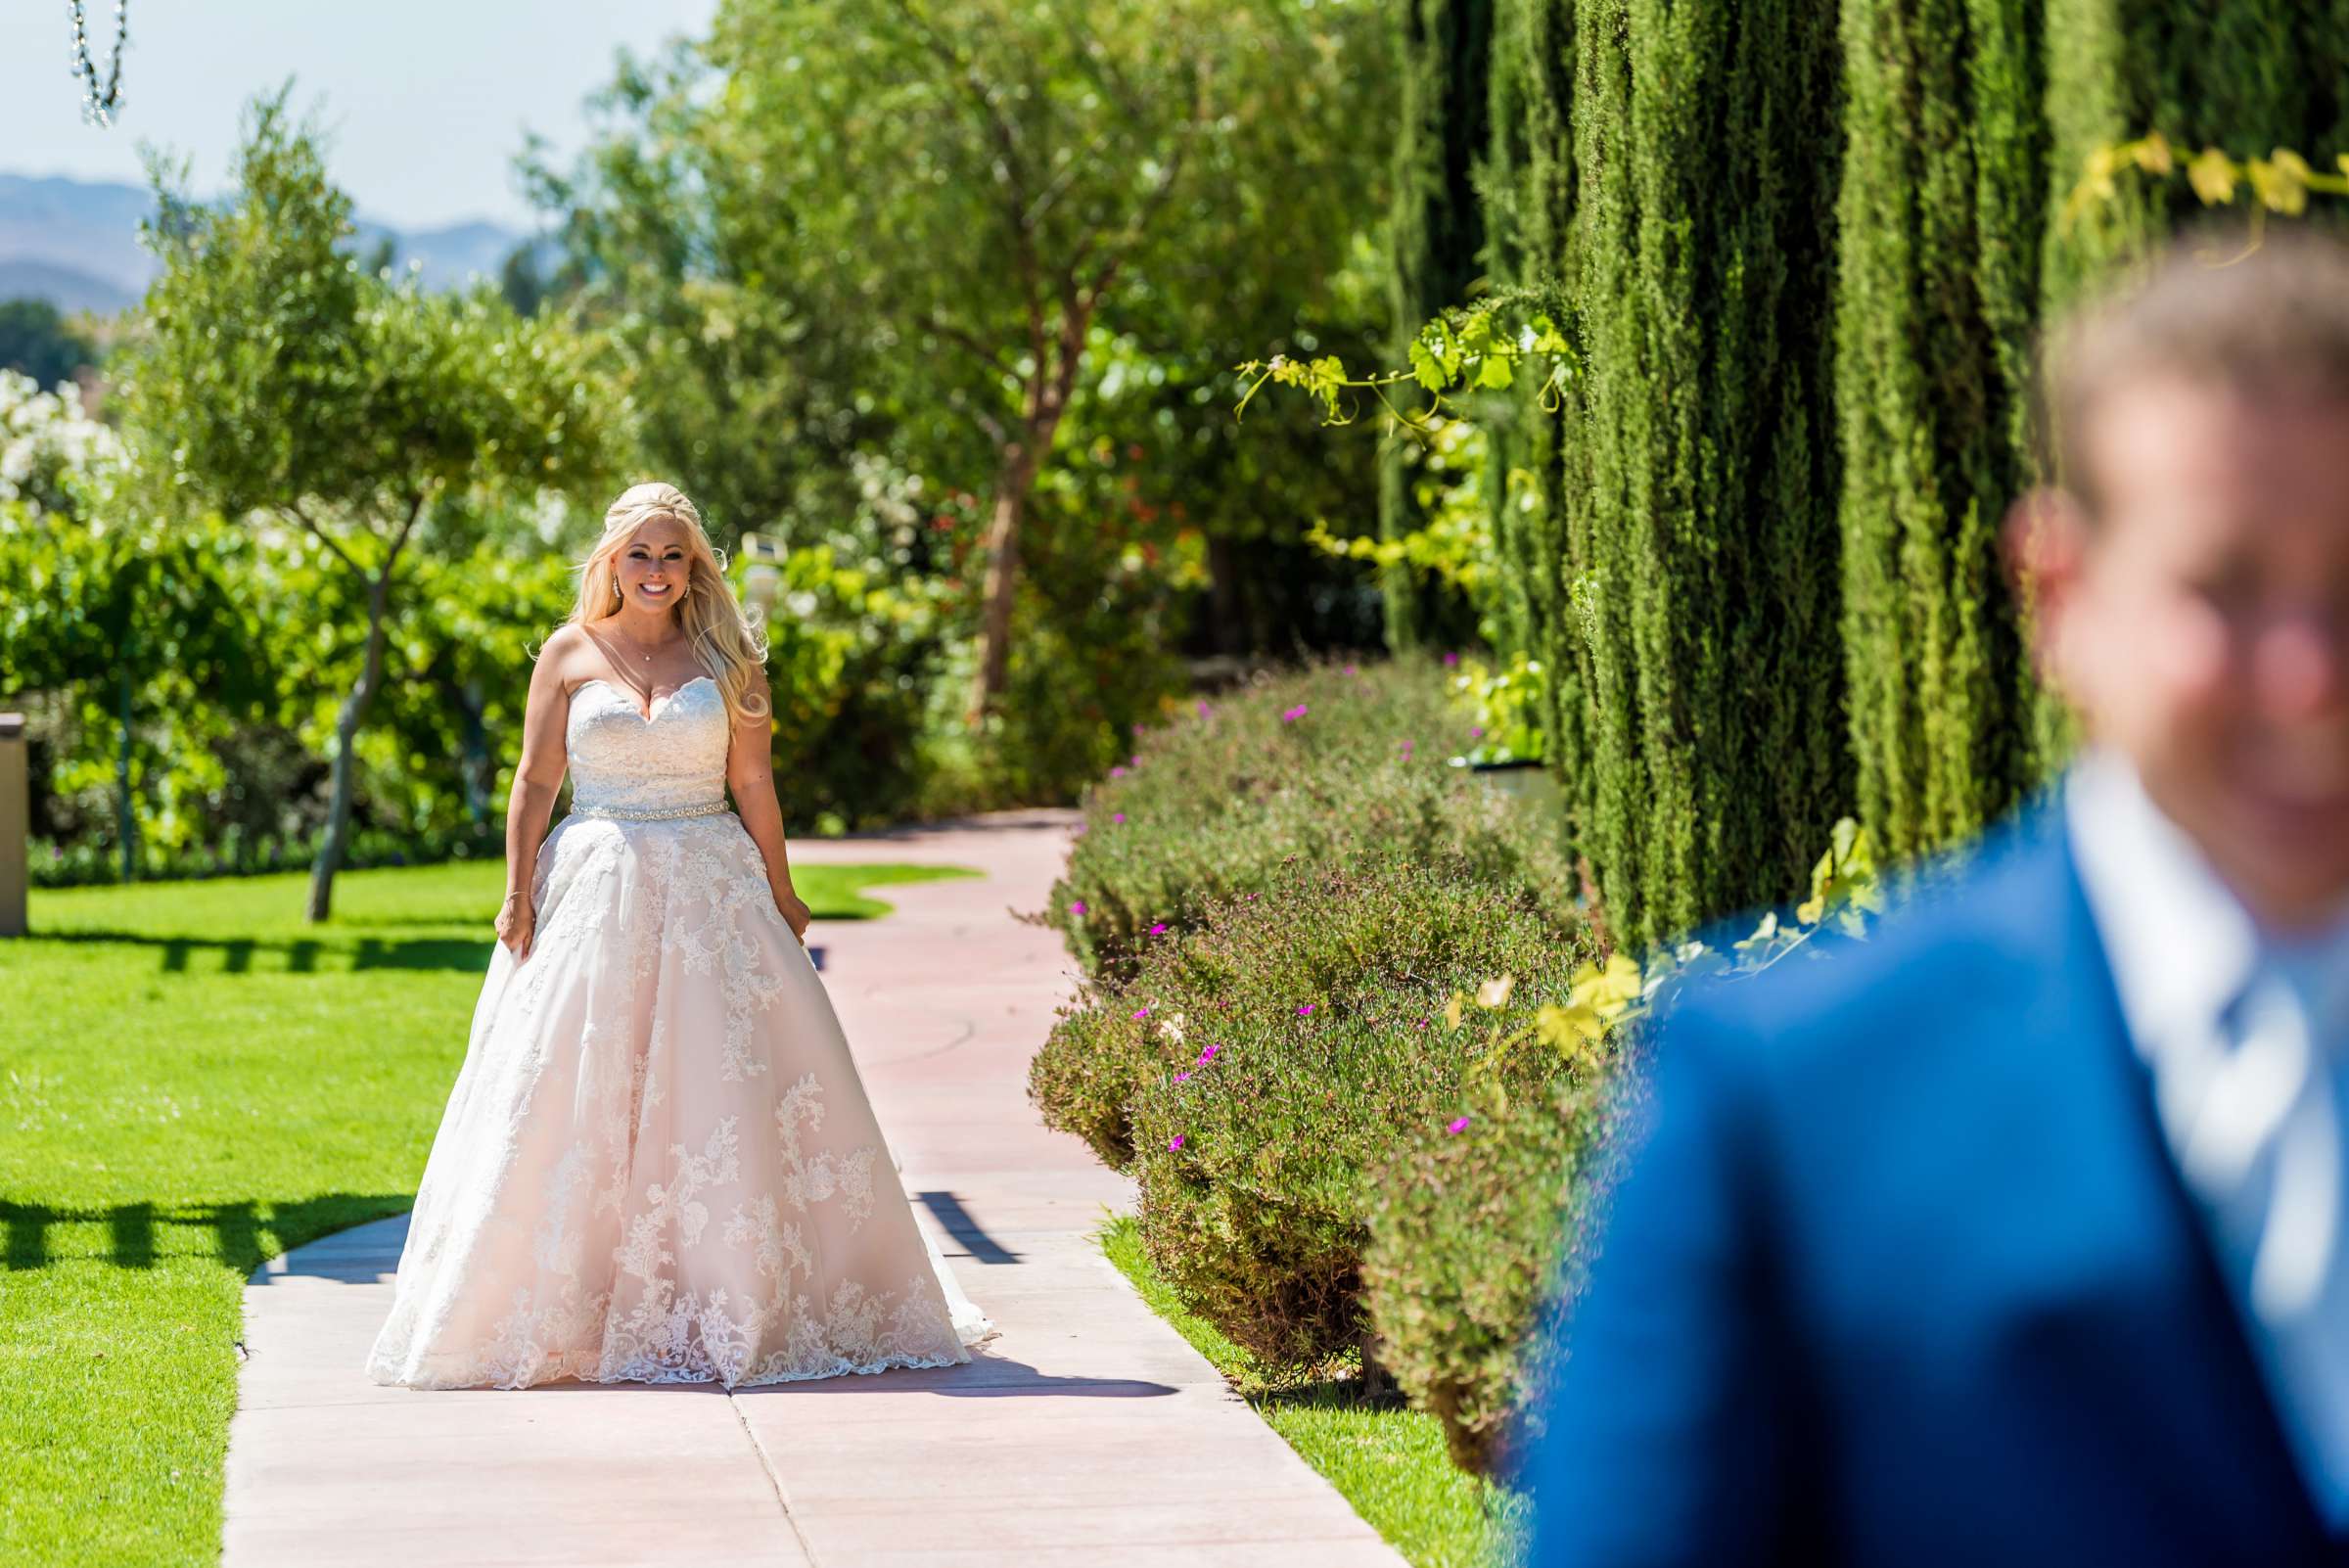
(1387, 1458)
(194, 1079)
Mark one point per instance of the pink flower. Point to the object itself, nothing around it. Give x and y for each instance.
(1451, 658)
(1137, 726)
(1205, 710)
(1141, 1012)
(1118, 773)
(1175, 1142)
(1290, 715)
(1350, 669)
(1077, 907)
(1303, 1008)
(1207, 1054)
(1407, 745)
(1133, 762)
(1158, 929)
(1461, 1125)
(1118, 817)
(1476, 731)
(1184, 1077)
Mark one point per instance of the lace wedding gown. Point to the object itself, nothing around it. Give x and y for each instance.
(658, 1162)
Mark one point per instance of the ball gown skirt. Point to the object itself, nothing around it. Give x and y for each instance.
(658, 1162)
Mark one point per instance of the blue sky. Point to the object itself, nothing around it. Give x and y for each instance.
(424, 102)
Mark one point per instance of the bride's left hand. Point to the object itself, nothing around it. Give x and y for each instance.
(794, 913)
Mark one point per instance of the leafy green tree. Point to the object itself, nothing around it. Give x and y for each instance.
(982, 180)
(273, 379)
(36, 341)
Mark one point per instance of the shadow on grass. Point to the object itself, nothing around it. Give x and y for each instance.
(296, 955)
(240, 1233)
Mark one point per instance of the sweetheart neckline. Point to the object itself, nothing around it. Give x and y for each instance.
(665, 696)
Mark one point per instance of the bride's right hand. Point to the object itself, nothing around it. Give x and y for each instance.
(513, 920)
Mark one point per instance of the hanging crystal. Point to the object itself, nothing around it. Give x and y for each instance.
(98, 108)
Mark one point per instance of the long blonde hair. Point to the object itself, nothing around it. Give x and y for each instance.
(724, 642)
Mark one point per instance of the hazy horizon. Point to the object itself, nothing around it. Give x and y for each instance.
(421, 134)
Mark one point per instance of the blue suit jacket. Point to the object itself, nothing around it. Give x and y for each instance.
(1904, 1274)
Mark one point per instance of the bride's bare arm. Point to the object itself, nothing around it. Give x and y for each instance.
(537, 776)
(750, 775)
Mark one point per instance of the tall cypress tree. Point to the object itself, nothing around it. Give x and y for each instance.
(2247, 75)
(1528, 191)
(1703, 520)
(1939, 223)
(1446, 58)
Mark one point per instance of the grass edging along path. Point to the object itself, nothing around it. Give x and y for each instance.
(193, 1079)
(1386, 1458)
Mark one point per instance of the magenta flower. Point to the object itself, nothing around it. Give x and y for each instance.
(1118, 817)
(1407, 745)
(1451, 658)
(1207, 1054)
(1461, 1125)
(1476, 731)
(1304, 1008)
(1133, 762)
(1205, 710)
(1077, 907)
(1290, 715)
(1118, 771)
(1141, 1012)
(1184, 1077)
(1158, 929)
(1175, 1142)
(1137, 726)
(1350, 669)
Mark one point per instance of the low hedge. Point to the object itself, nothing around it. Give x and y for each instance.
(1311, 1031)
(1333, 764)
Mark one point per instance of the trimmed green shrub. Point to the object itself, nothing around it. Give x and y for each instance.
(1467, 1230)
(1314, 1019)
(1328, 766)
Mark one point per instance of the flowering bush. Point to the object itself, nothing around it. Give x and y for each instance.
(1256, 1070)
(45, 439)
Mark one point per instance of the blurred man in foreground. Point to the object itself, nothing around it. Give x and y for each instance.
(2020, 1232)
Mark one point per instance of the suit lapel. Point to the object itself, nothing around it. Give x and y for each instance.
(2120, 1071)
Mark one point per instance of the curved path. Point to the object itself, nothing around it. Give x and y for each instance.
(1088, 1432)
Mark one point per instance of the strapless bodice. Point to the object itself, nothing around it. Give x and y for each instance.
(623, 765)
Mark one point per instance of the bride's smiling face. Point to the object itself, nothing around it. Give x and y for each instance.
(653, 567)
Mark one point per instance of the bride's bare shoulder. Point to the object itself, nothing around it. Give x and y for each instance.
(566, 661)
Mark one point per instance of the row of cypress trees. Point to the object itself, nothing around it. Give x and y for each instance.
(1803, 247)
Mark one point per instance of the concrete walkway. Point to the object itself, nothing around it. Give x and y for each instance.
(1087, 1433)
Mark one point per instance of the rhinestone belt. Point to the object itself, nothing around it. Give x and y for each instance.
(651, 814)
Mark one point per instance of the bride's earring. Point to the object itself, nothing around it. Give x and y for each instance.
(616, 593)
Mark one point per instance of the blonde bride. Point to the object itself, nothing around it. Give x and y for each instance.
(658, 1162)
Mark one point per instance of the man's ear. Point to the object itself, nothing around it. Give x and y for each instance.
(2045, 540)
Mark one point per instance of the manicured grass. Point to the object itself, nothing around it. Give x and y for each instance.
(1386, 1458)
(193, 1079)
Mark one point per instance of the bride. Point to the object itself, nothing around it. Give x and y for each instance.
(658, 1163)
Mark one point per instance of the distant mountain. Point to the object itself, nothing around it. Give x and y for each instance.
(75, 243)
(62, 286)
